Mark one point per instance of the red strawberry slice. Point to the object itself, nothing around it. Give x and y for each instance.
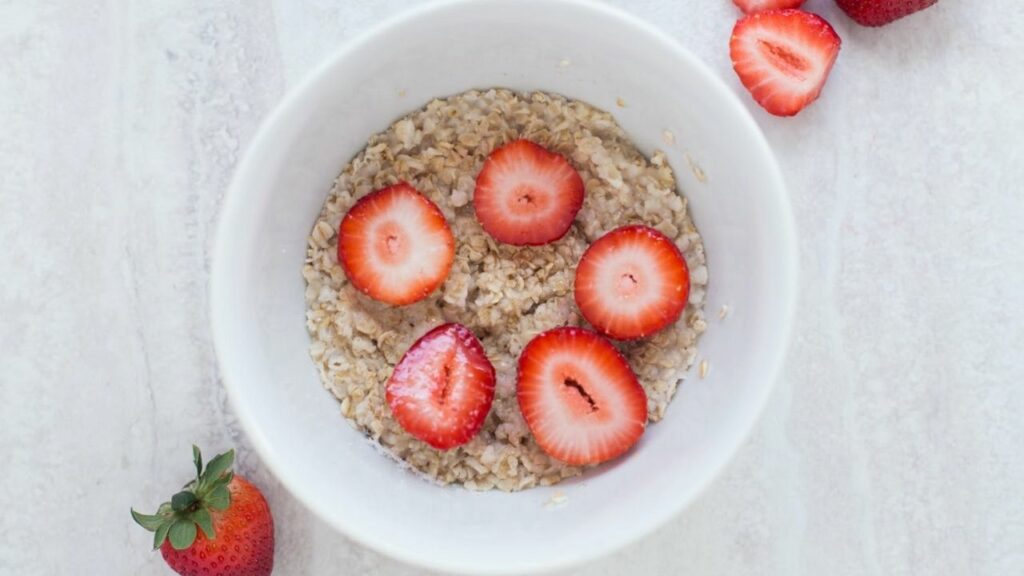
(395, 245)
(751, 6)
(632, 282)
(526, 195)
(442, 388)
(783, 57)
(579, 397)
(881, 12)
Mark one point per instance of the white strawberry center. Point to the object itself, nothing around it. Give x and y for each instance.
(577, 398)
(630, 280)
(628, 285)
(407, 244)
(581, 392)
(528, 200)
(784, 59)
(392, 246)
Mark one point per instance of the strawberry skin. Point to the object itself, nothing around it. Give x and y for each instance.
(395, 245)
(579, 397)
(783, 57)
(442, 388)
(881, 12)
(632, 282)
(526, 195)
(244, 545)
(218, 525)
(751, 6)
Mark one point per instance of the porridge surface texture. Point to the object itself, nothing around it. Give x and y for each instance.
(505, 294)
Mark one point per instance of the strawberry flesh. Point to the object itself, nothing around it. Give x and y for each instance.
(395, 245)
(881, 12)
(751, 6)
(442, 388)
(783, 57)
(632, 282)
(526, 195)
(579, 397)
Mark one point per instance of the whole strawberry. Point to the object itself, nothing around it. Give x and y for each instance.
(881, 12)
(219, 524)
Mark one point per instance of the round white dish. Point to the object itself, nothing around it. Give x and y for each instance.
(584, 51)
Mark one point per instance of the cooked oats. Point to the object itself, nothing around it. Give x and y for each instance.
(557, 500)
(505, 294)
(698, 172)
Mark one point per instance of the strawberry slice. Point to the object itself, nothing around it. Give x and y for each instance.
(526, 195)
(751, 6)
(395, 245)
(579, 397)
(881, 12)
(783, 57)
(442, 388)
(632, 282)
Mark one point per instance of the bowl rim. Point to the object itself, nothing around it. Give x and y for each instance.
(230, 213)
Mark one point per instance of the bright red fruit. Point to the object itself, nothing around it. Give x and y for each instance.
(579, 397)
(881, 12)
(218, 525)
(783, 57)
(751, 6)
(632, 282)
(526, 195)
(395, 245)
(442, 388)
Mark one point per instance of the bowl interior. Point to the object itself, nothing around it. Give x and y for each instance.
(583, 51)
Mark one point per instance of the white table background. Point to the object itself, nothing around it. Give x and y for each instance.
(893, 444)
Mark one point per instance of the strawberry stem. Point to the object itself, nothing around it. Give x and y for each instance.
(189, 510)
(183, 500)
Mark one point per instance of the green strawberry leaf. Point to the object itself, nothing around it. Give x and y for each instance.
(182, 500)
(182, 533)
(219, 465)
(203, 519)
(161, 535)
(148, 521)
(219, 498)
(197, 457)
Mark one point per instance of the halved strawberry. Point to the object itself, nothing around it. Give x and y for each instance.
(751, 6)
(579, 397)
(783, 57)
(632, 282)
(442, 388)
(526, 195)
(395, 245)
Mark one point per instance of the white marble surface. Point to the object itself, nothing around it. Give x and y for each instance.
(894, 443)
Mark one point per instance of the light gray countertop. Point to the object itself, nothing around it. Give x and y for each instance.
(893, 443)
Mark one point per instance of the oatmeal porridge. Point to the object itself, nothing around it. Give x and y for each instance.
(505, 294)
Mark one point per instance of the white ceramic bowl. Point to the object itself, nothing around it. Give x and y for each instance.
(582, 50)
